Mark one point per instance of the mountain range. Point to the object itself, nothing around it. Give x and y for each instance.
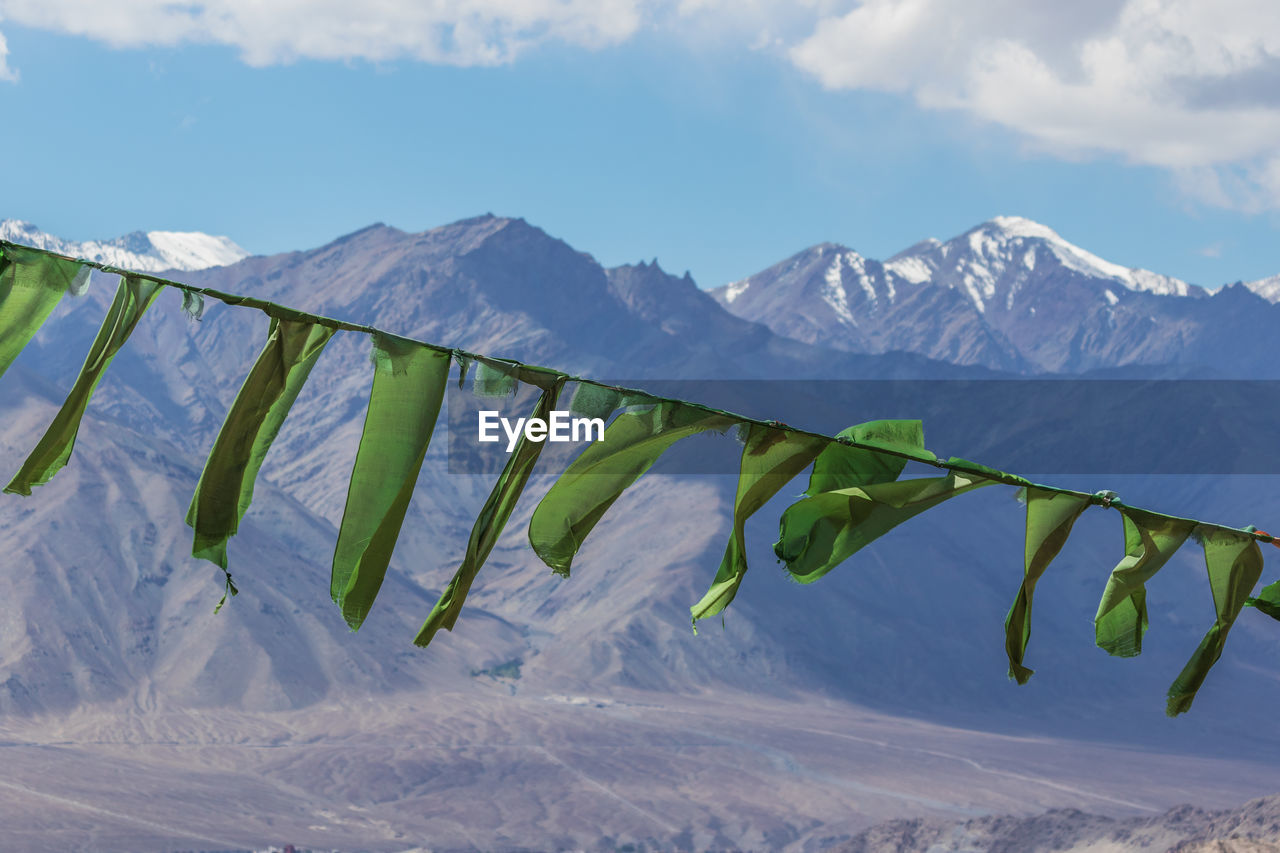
(583, 712)
(1011, 294)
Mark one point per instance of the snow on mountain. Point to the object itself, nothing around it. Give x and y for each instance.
(1267, 288)
(1009, 247)
(149, 251)
(1010, 294)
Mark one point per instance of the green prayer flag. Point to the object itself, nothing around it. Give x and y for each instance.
(598, 477)
(31, 283)
(1268, 600)
(819, 532)
(1050, 517)
(408, 386)
(770, 459)
(1234, 563)
(491, 521)
(1149, 541)
(133, 297)
(840, 466)
(226, 485)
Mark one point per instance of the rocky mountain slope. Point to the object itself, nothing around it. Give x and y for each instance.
(1011, 294)
(1252, 828)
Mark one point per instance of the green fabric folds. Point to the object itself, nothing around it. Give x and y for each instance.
(31, 283)
(226, 485)
(1050, 517)
(1268, 600)
(770, 459)
(820, 532)
(601, 473)
(1149, 541)
(491, 521)
(840, 466)
(132, 299)
(1234, 562)
(408, 386)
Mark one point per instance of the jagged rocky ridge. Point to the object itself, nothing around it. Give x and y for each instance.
(1012, 294)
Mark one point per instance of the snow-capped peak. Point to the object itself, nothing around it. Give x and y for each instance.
(1078, 259)
(149, 251)
(981, 258)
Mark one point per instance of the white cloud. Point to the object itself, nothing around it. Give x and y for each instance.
(1189, 85)
(7, 74)
(455, 32)
(1192, 86)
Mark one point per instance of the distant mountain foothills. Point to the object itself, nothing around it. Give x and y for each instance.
(1252, 828)
(1012, 295)
(582, 713)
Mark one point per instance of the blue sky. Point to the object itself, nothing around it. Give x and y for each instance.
(636, 129)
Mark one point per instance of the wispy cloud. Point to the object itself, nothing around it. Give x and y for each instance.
(1186, 85)
(7, 74)
(454, 32)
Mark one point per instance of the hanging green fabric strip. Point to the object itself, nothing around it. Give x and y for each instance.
(31, 283)
(1049, 520)
(770, 459)
(491, 521)
(601, 473)
(840, 466)
(820, 532)
(408, 386)
(1234, 562)
(1149, 541)
(226, 485)
(1268, 600)
(132, 299)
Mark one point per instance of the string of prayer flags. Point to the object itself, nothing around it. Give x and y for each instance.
(855, 493)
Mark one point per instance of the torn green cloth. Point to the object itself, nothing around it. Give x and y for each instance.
(225, 489)
(408, 386)
(491, 521)
(589, 486)
(1149, 541)
(1234, 563)
(1268, 600)
(770, 459)
(818, 533)
(1050, 517)
(133, 297)
(31, 283)
(841, 466)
